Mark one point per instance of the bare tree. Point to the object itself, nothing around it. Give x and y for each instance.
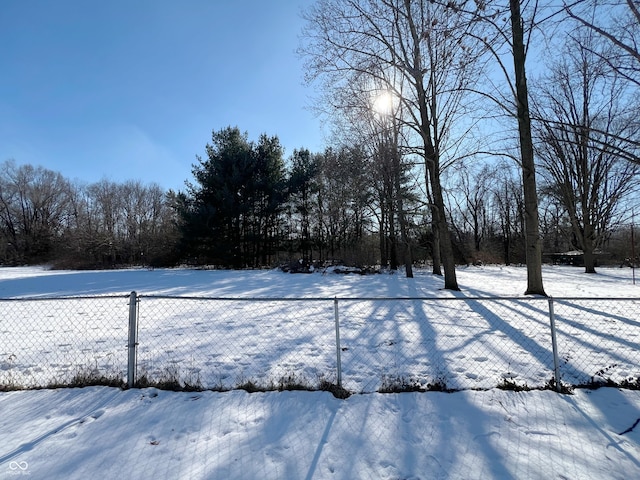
(532, 234)
(147, 220)
(618, 23)
(584, 111)
(471, 202)
(33, 203)
(372, 117)
(507, 39)
(508, 201)
(389, 154)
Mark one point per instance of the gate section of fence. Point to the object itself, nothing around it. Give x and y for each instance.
(62, 341)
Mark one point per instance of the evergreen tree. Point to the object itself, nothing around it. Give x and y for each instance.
(271, 194)
(231, 213)
(304, 168)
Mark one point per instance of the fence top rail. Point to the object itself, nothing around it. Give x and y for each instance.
(66, 297)
(371, 299)
(317, 299)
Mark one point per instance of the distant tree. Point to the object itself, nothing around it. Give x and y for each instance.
(487, 212)
(33, 205)
(508, 204)
(46, 218)
(106, 224)
(271, 193)
(471, 204)
(342, 202)
(555, 226)
(584, 113)
(369, 119)
(218, 200)
(109, 224)
(148, 235)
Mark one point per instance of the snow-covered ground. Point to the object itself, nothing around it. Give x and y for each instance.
(560, 281)
(146, 433)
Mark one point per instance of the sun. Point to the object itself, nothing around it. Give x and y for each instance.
(383, 103)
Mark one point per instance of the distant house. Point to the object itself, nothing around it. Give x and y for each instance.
(574, 257)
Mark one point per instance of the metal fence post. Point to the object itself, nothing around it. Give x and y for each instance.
(133, 340)
(554, 345)
(338, 348)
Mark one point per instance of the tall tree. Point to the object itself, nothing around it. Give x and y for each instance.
(350, 39)
(529, 184)
(217, 204)
(507, 39)
(388, 155)
(271, 194)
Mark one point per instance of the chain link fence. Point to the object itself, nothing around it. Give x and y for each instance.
(359, 344)
(62, 341)
(225, 343)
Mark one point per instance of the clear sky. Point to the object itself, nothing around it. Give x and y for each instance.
(131, 89)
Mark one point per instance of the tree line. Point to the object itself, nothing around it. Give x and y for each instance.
(248, 206)
(46, 218)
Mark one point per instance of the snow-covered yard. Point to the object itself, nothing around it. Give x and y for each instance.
(372, 333)
(148, 433)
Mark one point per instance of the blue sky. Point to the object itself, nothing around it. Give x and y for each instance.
(131, 90)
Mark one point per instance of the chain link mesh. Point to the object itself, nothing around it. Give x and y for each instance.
(226, 343)
(598, 340)
(62, 341)
(385, 344)
(397, 344)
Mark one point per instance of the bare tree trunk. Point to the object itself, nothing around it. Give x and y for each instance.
(436, 258)
(432, 160)
(444, 236)
(533, 243)
(589, 256)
